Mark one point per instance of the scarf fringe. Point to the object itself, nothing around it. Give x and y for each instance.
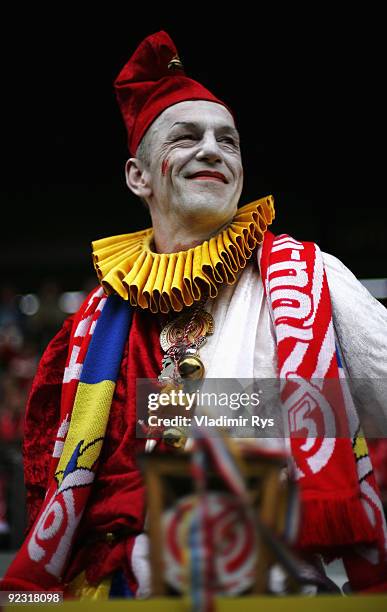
(334, 523)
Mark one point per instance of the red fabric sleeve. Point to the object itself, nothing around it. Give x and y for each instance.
(42, 419)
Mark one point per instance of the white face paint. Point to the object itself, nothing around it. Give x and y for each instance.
(186, 139)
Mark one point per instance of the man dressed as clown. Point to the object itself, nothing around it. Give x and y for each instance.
(279, 308)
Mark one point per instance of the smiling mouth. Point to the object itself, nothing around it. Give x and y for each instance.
(208, 176)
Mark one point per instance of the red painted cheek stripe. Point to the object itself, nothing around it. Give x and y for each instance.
(164, 167)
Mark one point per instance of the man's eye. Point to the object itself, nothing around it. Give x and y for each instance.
(228, 140)
(185, 137)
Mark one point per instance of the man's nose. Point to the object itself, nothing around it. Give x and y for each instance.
(209, 149)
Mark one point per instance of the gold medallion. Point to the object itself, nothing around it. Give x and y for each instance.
(175, 332)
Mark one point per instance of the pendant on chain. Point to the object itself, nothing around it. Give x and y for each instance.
(181, 340)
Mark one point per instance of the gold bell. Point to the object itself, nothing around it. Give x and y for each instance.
(110, 537)
(175, 437)
(191, 367)
(175, 63)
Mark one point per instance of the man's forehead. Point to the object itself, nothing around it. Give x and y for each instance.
(199, 112)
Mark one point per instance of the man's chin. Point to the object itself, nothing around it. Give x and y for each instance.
(207, 205)
(209, 213)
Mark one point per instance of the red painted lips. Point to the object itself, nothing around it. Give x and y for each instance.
(208, 174)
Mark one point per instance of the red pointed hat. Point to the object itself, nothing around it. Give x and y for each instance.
(151, 81)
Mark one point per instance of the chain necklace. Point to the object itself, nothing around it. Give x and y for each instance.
(181, 340)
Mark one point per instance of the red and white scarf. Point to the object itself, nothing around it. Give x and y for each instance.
(341, 506)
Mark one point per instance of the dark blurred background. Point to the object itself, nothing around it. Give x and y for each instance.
(306, 86)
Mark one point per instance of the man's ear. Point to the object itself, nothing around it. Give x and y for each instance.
(138, 178)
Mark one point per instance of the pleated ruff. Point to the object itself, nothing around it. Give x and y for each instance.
(162, 282)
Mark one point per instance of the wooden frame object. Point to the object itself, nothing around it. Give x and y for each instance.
(268, 492)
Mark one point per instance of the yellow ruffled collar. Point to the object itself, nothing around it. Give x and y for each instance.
(162, 282)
